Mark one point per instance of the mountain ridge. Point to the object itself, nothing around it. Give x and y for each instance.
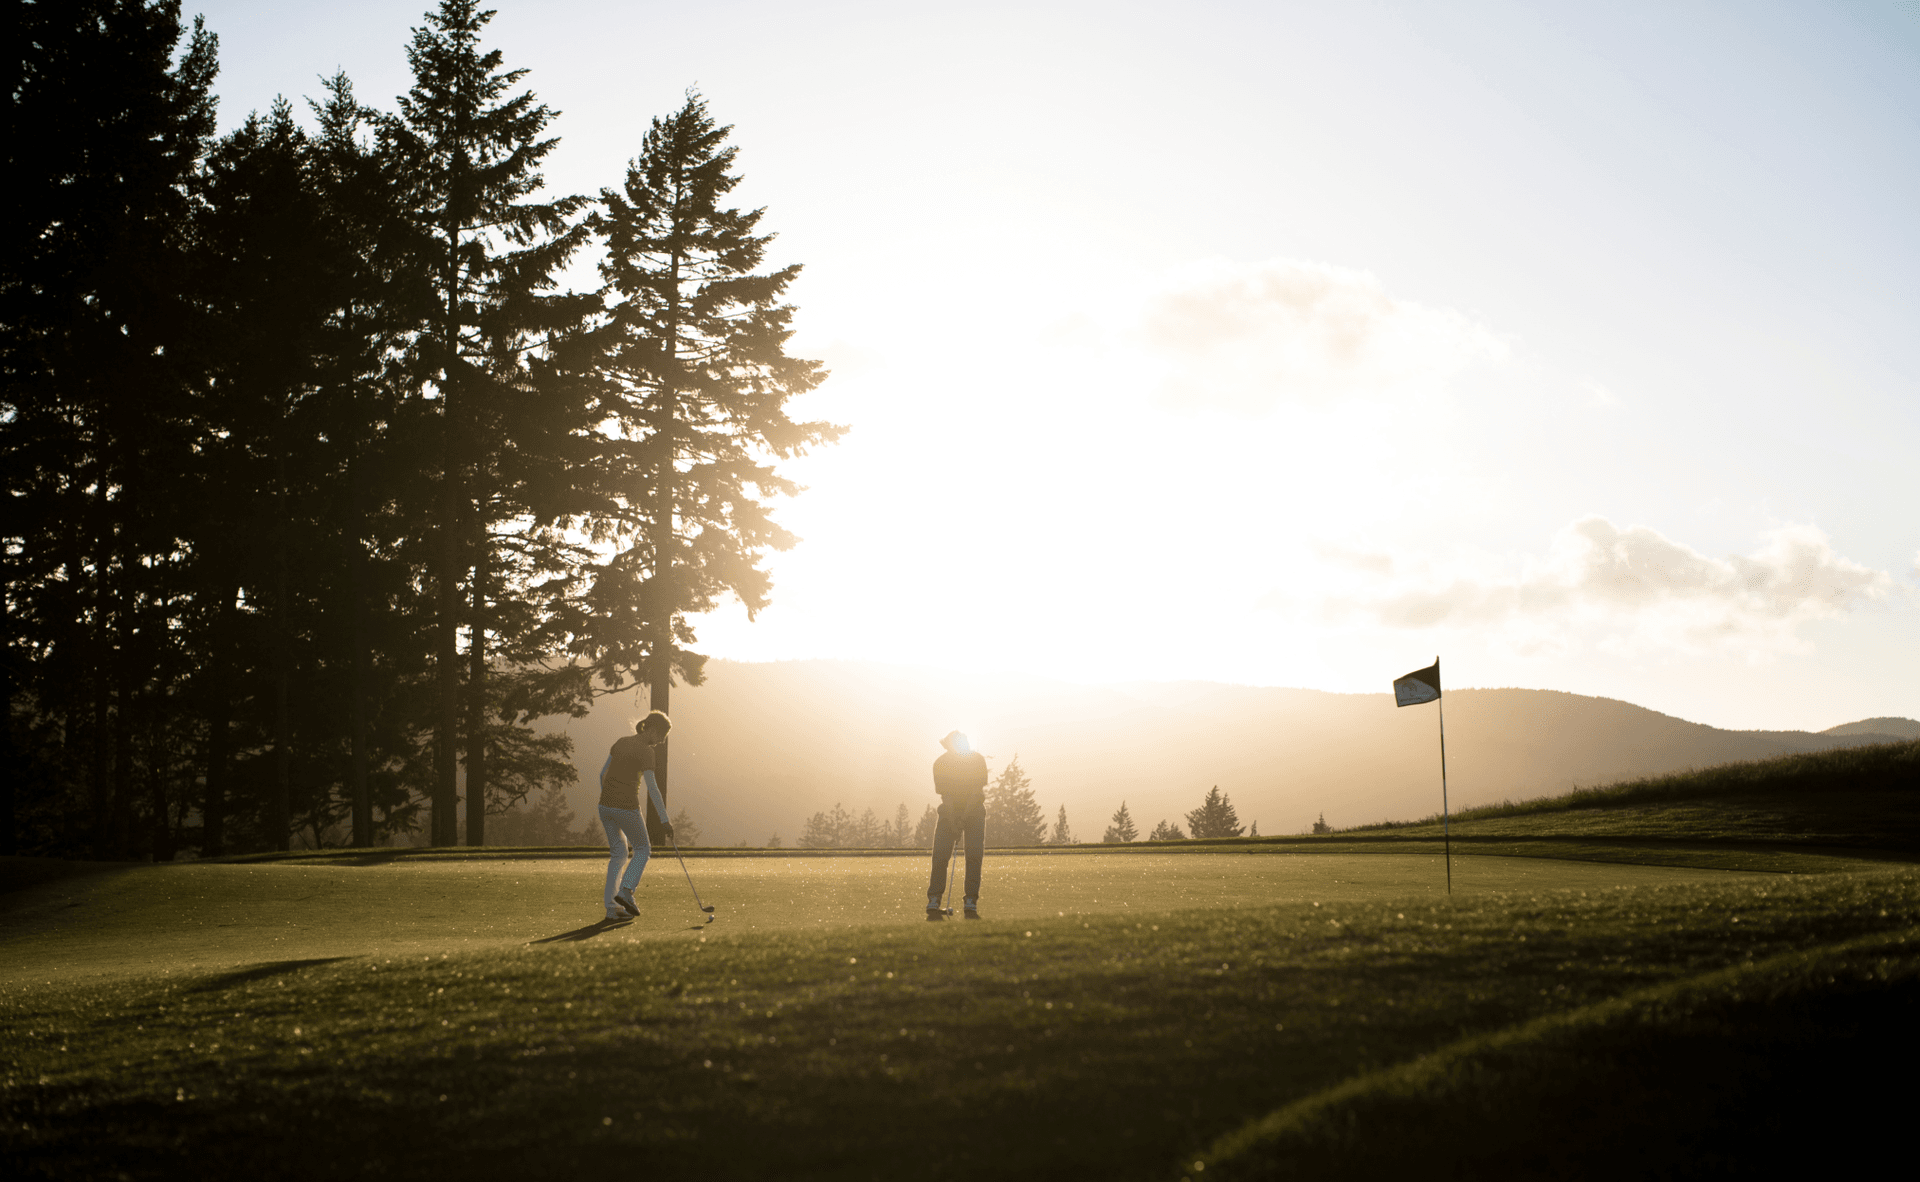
(761, 746)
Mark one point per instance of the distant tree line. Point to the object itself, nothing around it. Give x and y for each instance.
(318, 491)
(1215, 817)
(1014, 818)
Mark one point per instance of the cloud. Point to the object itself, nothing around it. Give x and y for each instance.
(1365, 561)
(1635, 588)
(1250, 336)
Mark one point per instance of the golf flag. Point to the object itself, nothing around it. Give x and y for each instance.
(1421, 685)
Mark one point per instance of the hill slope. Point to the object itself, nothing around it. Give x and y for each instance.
(1862, 797)
(762, 746)
(1893, 728)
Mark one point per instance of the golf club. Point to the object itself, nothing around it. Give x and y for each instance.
(690, 886)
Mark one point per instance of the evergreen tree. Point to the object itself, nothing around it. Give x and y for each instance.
(1014, 817)
(828, 831)
(280, 273)
(1061, 835)
(685, 829)
(469, 151)
(923, 830)
(1215, 817)
(1166, 831)
(548, 821)
(689, 365)
(105, 131)
(1121, 829)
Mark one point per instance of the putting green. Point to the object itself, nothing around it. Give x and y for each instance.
(199, 917)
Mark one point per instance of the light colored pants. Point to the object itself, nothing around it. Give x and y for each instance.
(626, 829)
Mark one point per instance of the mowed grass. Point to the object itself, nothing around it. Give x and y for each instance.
(209, 916)
(1116, 1015)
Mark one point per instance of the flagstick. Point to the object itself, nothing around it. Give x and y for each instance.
(1446, 822)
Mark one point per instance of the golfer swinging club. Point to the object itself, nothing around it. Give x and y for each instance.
(630, 761)
(960, 777)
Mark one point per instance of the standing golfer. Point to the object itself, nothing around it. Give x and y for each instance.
(630, 761)
(960, 777)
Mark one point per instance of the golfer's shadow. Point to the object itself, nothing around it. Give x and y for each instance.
(586, 933)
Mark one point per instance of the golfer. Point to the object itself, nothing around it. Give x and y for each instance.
(630, 762)
(960, 777)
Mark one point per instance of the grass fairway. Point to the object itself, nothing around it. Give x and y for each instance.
(211, 916)
(1115, 1016)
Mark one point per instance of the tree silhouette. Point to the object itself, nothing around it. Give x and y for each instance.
(469, 152)
(1215, 817)
(271, 277)
(1061, 835)
(1166, 831)
(104, 135)
(689, 366)
(301, 479)
(1013, 815)
(1122, 828)
(828, 830)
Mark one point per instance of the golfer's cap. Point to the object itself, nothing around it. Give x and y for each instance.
(955, 741)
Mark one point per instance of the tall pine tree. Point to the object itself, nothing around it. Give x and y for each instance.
(1215, 817)
(105, 130)
(470, 151)
(690, 370)
(1013, 815)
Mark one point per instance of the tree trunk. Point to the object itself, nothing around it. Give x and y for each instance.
(446, 791)
(362, 658)
(477, 701)
(121, 808)
(98, 800)
(667, 601)
(280, 797)
(660, 659)
(213, 811)
(9, 765)
(657, 694)
(158, 768)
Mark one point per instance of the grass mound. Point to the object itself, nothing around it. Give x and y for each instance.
(1858, 797)
(1740, 1072)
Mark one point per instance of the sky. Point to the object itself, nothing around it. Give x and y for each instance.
(1295, 344)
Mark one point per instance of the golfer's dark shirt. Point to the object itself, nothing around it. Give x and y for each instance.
(620, 787)
(960, 777)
